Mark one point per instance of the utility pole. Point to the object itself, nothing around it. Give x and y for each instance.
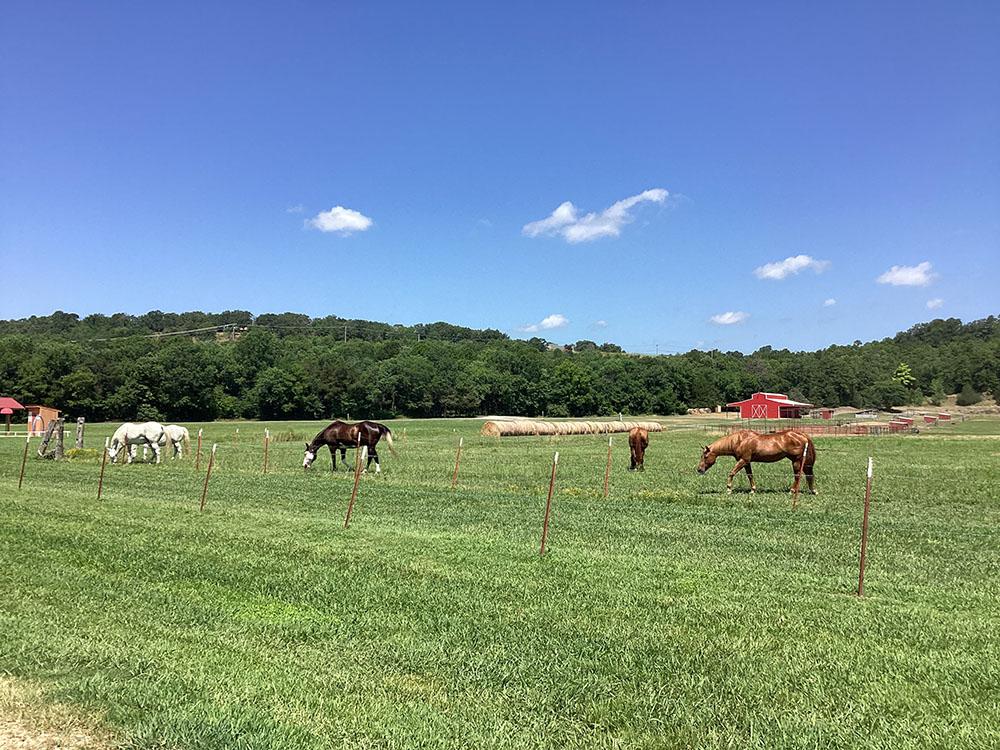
(345, 333)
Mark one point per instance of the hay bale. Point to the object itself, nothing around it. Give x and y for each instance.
(519, 427)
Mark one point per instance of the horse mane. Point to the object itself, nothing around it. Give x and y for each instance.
(727, 444)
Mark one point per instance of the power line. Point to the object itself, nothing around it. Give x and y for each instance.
(217, 328)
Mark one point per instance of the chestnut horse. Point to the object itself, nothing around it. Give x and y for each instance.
(343, 436)
(638, 439)
(747, 446)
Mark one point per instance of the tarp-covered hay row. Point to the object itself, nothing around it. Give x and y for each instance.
(505, 428)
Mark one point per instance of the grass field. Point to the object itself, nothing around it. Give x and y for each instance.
(669, 615)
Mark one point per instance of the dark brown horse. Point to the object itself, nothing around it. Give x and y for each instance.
(343, 436)
(638, 439)
(747, 446)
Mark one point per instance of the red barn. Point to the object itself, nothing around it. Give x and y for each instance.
(770, 406)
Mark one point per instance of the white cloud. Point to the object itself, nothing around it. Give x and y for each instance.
(600, 324)
(342, 220)
(567, 222)
(790, 266)
(829, 302)
(556, 320)
(918, 275)
(729, 318)
(934, 304)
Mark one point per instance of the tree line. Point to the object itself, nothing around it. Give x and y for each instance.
(202, 366)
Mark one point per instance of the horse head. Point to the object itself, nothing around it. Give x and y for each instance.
(707, 460)
(309, 457)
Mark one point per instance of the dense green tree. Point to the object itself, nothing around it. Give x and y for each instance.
(289, 365)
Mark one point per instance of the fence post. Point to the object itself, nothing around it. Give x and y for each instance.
(104, 461)
(79, 431)
(458, 458)
(362, 455)
(60, 439)
(208, 474)
(197, 455)
(43, 446)
(267, 440)
(548, 502)
(798, 478)
(607, 469)
(24, 460)
(864, 531)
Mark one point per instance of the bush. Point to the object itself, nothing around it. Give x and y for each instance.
(969, 396)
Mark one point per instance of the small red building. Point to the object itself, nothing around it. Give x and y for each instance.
(770, 406)
(7, 408)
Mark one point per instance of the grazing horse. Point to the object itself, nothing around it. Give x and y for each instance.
(343, 436)
(177, 436)
(131, 434)
(638, 439)
(747, 446)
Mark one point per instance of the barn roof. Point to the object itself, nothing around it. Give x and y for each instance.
(775, 398)
(6, 402)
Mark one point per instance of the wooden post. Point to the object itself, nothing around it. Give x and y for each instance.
(197, 455)
(864, 531)
(44, 445)
(267, 440)
(60, 439)
(24, 460)
(362, 455)
(458, 458)
(104, 460)
(208, 474)
(548, 503)
(79, 431)
(798, 479)
(607, 469)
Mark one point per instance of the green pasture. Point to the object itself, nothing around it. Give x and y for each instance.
(667, 615)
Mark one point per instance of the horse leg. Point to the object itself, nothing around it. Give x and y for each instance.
(373, 454)
(811, 479)
(740, 464)
(333, 456)
(753, 484)
(156, 451)
(343, 457)
(796, 469)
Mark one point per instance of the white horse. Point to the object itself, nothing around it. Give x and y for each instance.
(178, 437)
(132, 433)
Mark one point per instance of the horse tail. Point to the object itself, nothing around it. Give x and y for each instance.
(811, 457)
(383, 430)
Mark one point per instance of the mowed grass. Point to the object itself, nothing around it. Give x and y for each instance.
(668, 615)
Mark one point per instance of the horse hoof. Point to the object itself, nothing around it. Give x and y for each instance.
(815, 492)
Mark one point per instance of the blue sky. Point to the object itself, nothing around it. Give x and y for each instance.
(190, 156)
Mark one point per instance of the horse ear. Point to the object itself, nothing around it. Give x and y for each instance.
(307, 446)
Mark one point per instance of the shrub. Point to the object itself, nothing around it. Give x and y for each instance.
(969, 396)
